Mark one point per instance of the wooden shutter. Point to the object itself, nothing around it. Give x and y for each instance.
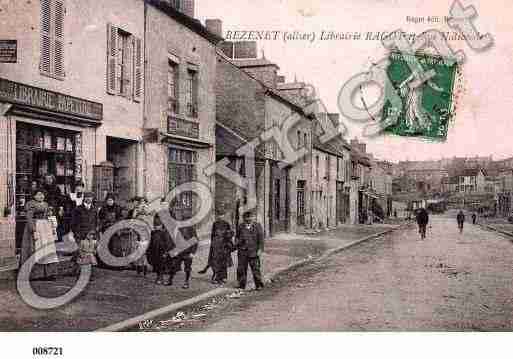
(112, 58)
(138, 69)
(46, 37)
(58, 40)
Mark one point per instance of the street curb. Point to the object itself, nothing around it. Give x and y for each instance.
(486, 226)
(134, 322)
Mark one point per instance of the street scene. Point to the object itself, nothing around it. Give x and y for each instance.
(171, 166)
(447, 282)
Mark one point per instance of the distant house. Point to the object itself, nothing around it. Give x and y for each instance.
(470, 180)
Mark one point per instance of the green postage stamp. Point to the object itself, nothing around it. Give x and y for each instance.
(426, 108)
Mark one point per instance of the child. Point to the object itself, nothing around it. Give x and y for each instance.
(161, 244)
(87, 251)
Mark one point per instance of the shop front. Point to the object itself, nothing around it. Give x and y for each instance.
(42, 135)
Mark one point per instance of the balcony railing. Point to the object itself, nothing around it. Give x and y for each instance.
(180, 127)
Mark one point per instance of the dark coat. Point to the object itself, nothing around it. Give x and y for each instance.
(84, 221)
(422, 217)
(221, 245)
(108, 216)
(188, 233)
(160, 244)
(460, 217)
(250, 239)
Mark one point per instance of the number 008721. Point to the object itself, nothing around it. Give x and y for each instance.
(47, 351)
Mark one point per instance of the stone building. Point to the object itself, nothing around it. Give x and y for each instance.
(180, 104)
(72, 101)
(330, 178)
(251, 110)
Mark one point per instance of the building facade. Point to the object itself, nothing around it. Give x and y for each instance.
(180, 106)
(72, 103)
(250, 110)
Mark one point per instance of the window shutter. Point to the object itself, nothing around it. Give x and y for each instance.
(128, 70)
(138, 69)
(46, 37)
(59, 39)
(112, 52)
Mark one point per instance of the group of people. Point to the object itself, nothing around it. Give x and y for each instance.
(422, 218)
(76, 216)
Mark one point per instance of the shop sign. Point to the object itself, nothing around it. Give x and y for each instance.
(17, 93)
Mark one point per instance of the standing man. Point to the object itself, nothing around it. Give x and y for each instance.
(422, 221)
(250, 245)
(85, 218)
(474, 218)
(460, 218)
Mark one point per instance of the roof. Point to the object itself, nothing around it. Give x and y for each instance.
(227, 141)
(469, 172)
(253, 62)
(291, 86)
(189, 22)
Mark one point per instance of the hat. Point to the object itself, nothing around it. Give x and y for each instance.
(88, 194)
(248, 213)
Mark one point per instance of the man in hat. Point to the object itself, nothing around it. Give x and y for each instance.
(84, 218)
(250, 245)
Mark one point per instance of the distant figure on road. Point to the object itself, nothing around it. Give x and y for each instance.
(422, 221)
(460, 218)
(395, 213)
(474, 218)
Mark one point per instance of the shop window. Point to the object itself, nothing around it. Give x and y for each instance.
(52, 38)
(124, 64)
(182, 169)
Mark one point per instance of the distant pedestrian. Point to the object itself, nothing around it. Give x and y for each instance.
(460, 218)
(250, 245)
(422, 222)
(395, 213)
(474, 218)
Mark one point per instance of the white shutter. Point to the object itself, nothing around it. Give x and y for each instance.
(138, 69)
(112, 52)
(58, 60)
(45, 64)
(128, 69)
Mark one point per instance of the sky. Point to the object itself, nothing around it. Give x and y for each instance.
(483, 123)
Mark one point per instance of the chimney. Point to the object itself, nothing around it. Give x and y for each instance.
(245, 50)
(215, 26)
(188, 7)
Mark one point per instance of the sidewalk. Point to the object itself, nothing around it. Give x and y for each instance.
(115, 296)
(500, 225)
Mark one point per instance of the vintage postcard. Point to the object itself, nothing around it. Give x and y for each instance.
(293, 165)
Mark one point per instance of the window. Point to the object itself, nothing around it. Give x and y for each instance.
(305, 143)
(182, 169)
(191, 96)
(327, 175)
(172, 87)
(317, 167)
(124, 64)
(298, 139)
(52, 39)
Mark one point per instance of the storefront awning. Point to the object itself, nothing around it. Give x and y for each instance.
(186, 142)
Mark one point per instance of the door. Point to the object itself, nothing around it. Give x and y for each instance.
(279, 200)
(301, 203)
